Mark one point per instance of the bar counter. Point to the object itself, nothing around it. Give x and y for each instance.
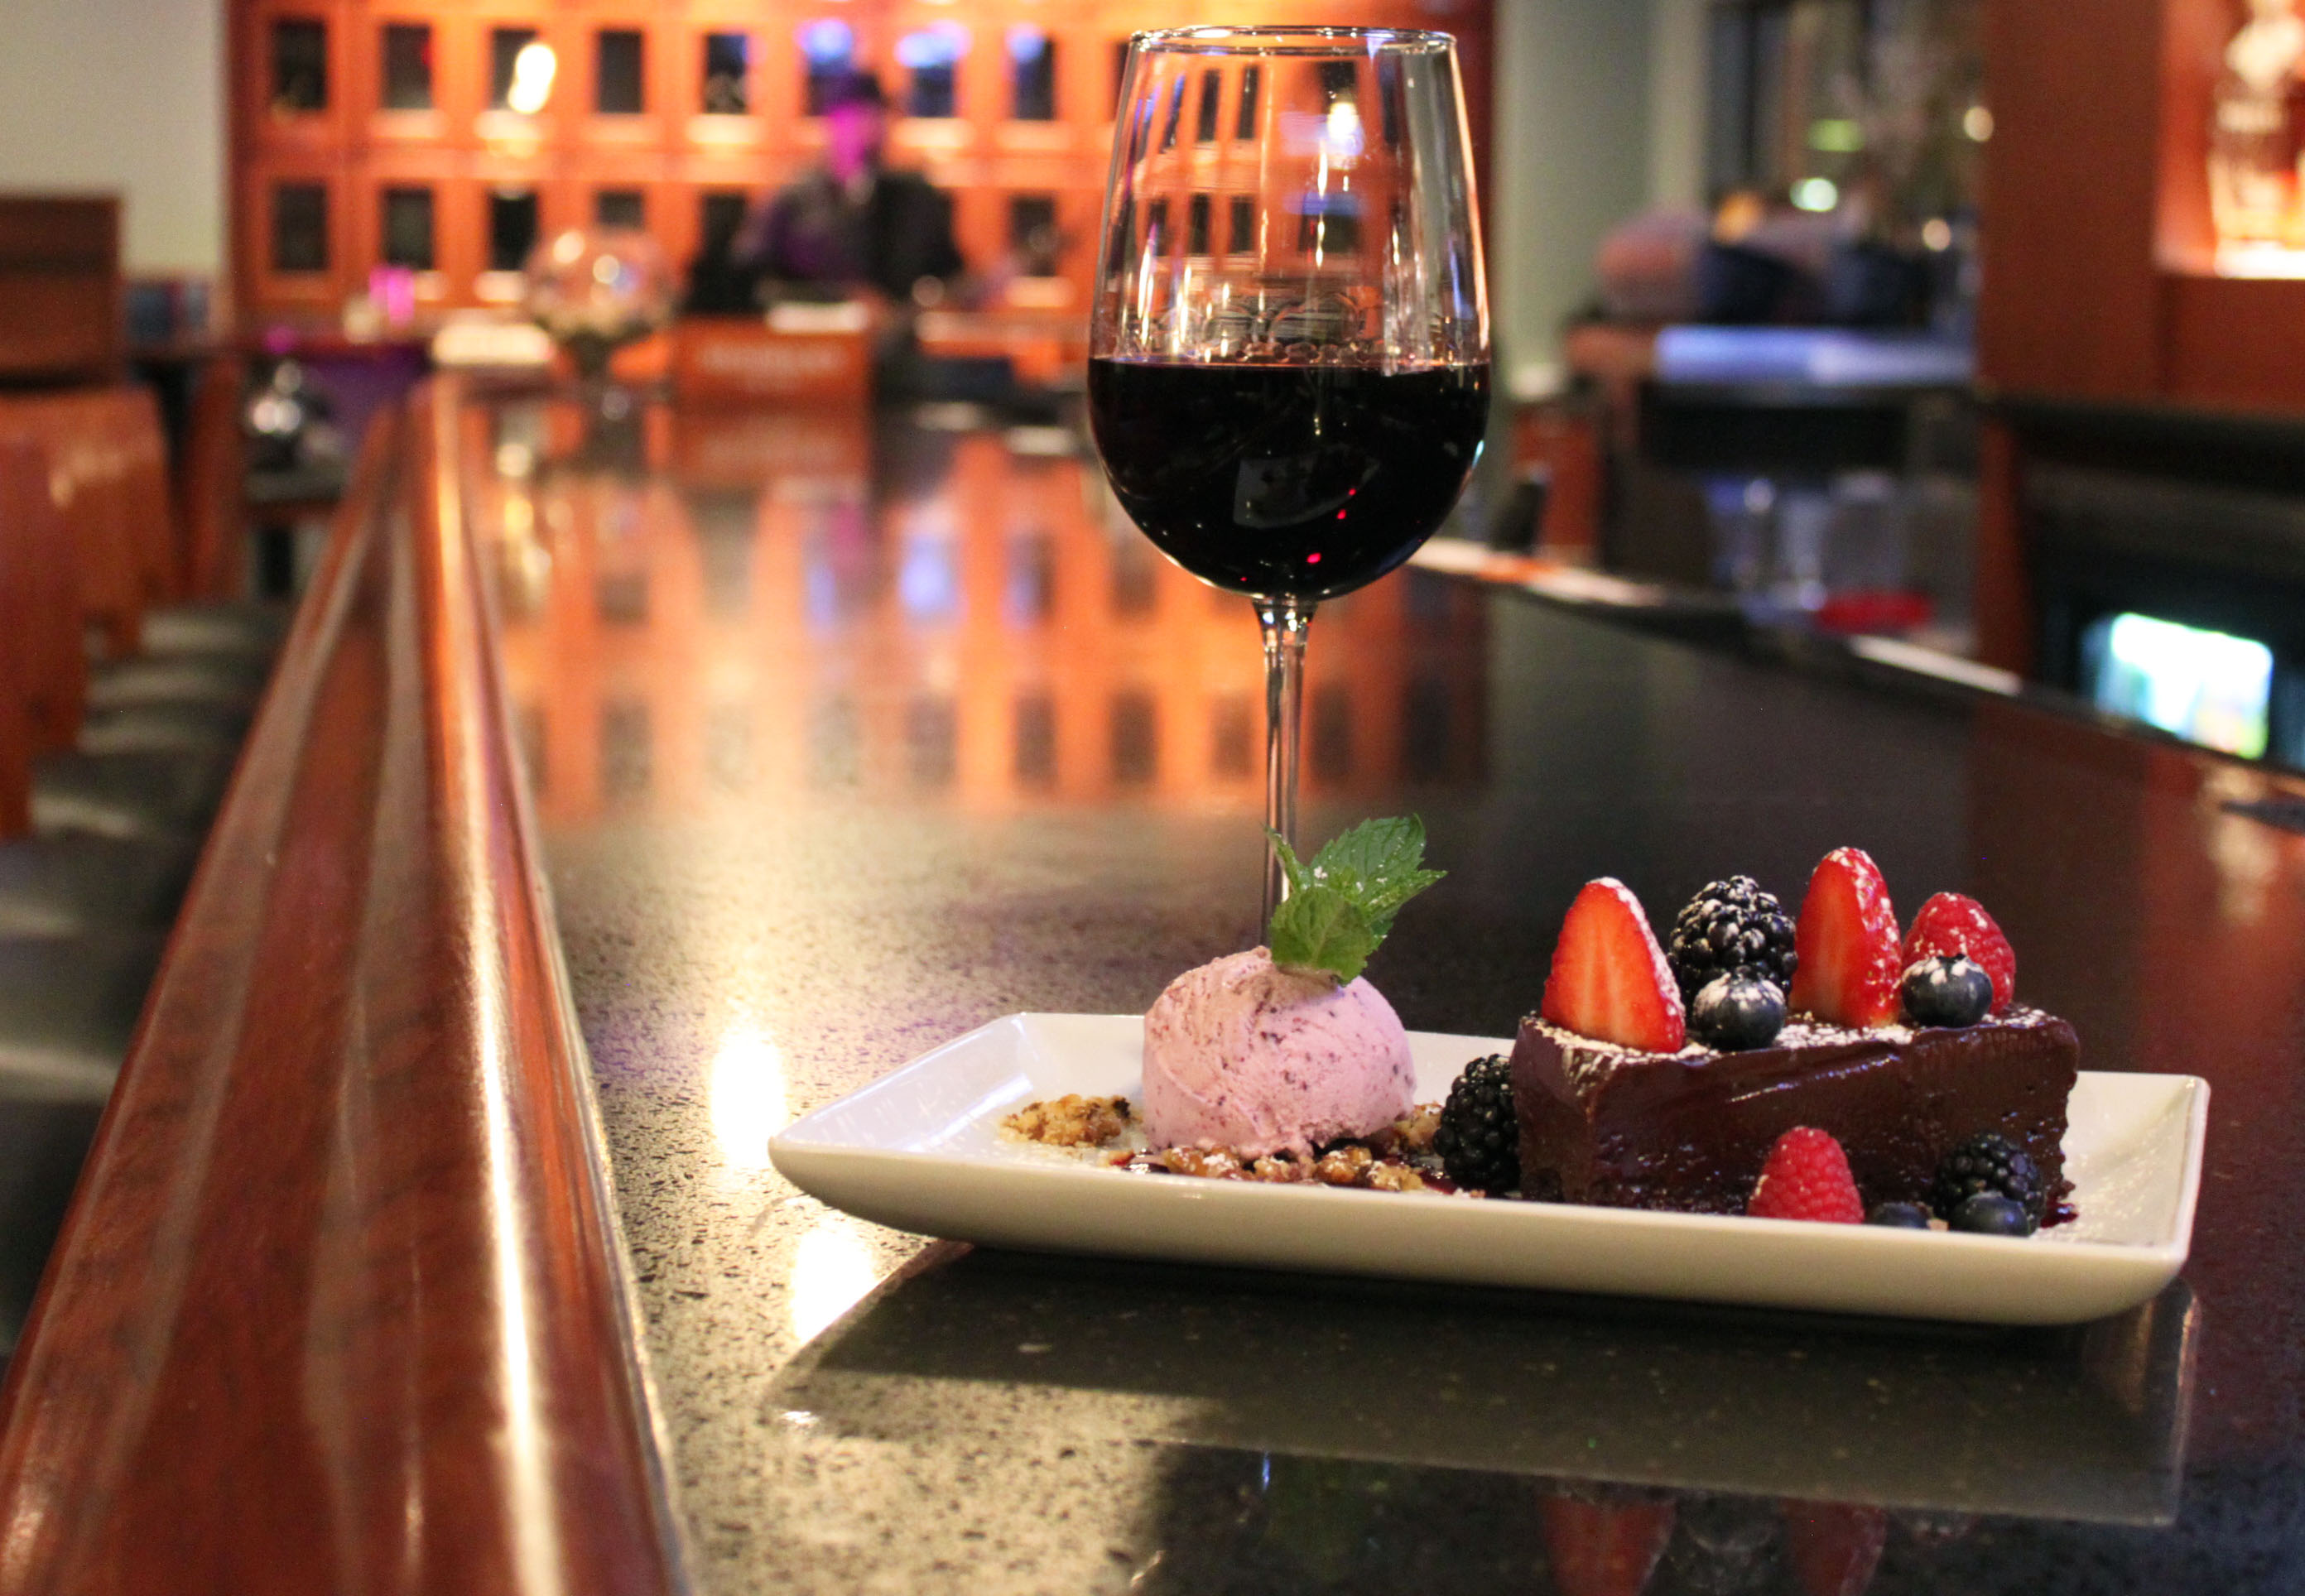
(845, 733)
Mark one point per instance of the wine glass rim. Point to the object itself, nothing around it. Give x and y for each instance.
(1287, 38)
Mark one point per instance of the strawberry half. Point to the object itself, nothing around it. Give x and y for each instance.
(1609, 979)
(1834, 1547)
(1603, 1549)
(1807, 1178)
(1949, 924)
(1851, 955)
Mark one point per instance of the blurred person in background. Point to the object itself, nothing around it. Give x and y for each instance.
(850, 228)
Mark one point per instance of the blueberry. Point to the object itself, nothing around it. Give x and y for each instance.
(1988, 1213)
(1902, 1216)
(1945, 990)
(1737, 1012)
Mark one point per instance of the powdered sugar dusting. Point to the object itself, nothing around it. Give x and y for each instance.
(1580, 1053)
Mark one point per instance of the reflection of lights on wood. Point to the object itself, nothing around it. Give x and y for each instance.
(752, 625)
(832, 1269)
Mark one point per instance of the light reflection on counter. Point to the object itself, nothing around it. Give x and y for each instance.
(790, 607)
(748, 1101)
(833, 1267)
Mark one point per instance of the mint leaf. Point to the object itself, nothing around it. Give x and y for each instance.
(1298, 877)
(1319, 928)
(1372, 870)
(1377, 863)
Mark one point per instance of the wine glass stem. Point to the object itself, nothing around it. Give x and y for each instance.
(1285, 622)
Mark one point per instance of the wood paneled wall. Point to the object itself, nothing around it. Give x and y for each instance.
(2099, 259)
(2098, 248)
(673, 153)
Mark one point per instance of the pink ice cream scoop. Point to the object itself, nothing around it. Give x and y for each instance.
(1243, 1054)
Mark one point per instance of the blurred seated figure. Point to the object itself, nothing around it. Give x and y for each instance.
(851, 226)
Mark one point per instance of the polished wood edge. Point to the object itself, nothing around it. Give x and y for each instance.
(340, 1303)
(442, 399)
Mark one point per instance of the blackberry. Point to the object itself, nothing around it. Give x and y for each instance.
(1731, 928)
(1988, 1161)
(1479, 1137)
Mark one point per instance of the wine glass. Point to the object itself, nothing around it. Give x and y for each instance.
(1288, 354)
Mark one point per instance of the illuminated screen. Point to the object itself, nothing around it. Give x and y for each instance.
(2207, 687)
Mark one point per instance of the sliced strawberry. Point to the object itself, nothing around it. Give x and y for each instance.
(1847, 943)
(1949, 924)
(1609, 980)
(1807, 1178)
(1834, 1547)
(1605, 1548)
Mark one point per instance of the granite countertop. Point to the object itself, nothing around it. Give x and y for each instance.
(847, 737)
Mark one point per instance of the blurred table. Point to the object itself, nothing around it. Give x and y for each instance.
(846, 737)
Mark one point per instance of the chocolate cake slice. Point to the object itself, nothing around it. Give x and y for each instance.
(1689, 1130)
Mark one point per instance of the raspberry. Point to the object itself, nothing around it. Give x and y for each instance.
(1949, 924)
(1807, 1178)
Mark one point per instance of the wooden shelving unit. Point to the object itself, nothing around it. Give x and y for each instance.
(310, 127)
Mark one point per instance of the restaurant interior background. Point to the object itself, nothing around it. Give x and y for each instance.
(1953, 328)
(1899, 441)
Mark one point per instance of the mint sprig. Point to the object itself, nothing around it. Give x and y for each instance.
(1340, 906)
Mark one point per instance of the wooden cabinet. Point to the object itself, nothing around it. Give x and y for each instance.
(312, 171)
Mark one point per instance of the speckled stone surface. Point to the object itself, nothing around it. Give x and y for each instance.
(751, 933)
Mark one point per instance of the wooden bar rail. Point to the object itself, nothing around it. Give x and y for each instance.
(340, 1304)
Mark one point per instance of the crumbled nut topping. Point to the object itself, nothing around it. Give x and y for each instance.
(1398, 1158)
(1394, 1177)
(1408, 1136)
(1071, 1121)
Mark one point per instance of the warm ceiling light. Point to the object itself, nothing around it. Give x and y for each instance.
(532, 72)
(1816, 194)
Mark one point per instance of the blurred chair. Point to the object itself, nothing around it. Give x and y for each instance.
(101, 812)
(23, 492)
(82, 917)
(80, 922)
(154, 761)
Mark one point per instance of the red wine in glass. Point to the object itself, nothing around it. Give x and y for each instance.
(1282, 481)
(1289, 372)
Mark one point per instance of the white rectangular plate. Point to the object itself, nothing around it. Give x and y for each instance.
(921, 1150)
